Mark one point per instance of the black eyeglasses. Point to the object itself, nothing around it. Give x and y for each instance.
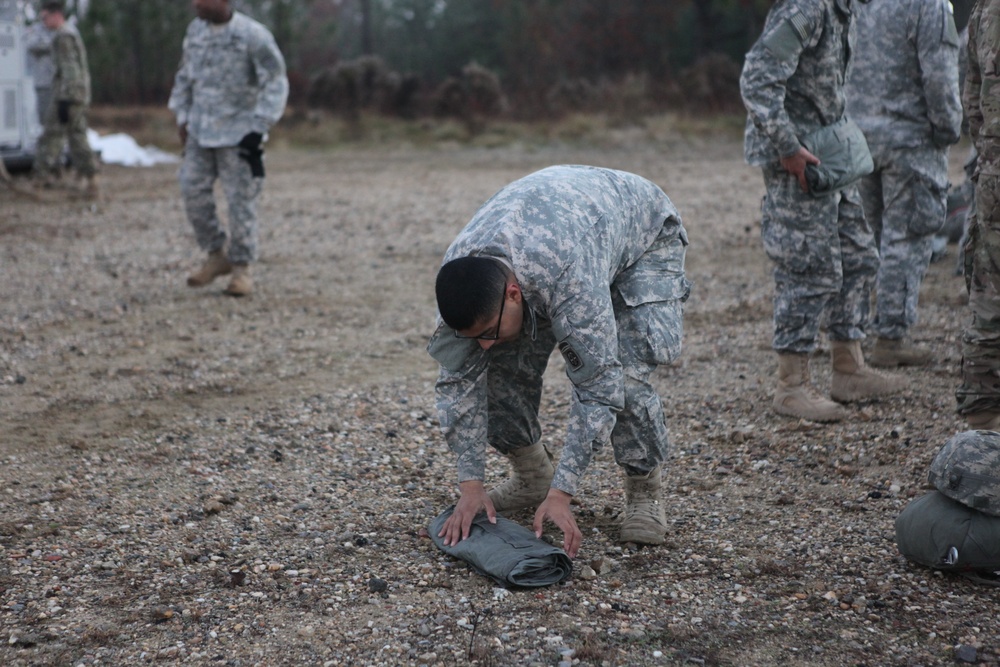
(496, 333)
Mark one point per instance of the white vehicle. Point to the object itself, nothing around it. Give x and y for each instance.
(19, 127)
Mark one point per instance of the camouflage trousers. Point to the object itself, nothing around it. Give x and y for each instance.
(980, 388)
(825, 261)
(905, 201)
(198, 174)
(648, 334)
(55, 135)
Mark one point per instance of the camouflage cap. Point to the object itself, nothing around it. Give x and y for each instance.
(967, 469)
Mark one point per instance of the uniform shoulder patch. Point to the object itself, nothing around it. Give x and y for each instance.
(800, 25)
(949, 32)
(573, 359)
(787, 39)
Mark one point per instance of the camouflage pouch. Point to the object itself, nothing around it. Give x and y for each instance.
(943, 534)
(844, 157)
(967, 470)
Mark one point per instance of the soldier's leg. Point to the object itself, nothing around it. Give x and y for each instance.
(857, 256)
(197, 180)
(648, 300)
(641, 442)
(979, 394)
(514, 394)
(515, 390)
(801, 238)
(873, 201)
(48, 151)
(242, 191)
(916, 199)
(853, 379)
(84, 160)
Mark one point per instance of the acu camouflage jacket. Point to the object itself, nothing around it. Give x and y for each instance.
(567, 232)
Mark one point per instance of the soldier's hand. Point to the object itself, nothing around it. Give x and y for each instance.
(251, 151)
(556, 509)
(251, 141)
(796, 166)
(182, 132)
(62, 111)
(472, 501)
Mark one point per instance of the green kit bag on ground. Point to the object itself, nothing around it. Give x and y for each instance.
(944, 534)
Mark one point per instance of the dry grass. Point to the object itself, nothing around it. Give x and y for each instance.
(321, 130)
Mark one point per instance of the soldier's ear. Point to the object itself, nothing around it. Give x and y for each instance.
(514, 292)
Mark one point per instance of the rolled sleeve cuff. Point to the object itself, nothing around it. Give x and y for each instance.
(566, 481)
(470, 467)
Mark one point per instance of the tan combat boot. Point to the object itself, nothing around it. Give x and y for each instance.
(645, 520)
(529, 482)
(853, 380)
(216, 265)
(987, 420)
(795, 395)
(890, 353)
(241, 283)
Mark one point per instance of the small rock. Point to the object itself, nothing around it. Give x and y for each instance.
(587, 573)
(24, 641)
(376, 585)
(602, 565)
(213, 506)
(966, 654)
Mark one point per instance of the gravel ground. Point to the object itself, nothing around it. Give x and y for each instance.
(190, 478)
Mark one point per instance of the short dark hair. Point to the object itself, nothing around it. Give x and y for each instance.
(469, 290)
(54, 6)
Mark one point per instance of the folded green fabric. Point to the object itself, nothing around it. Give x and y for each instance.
(506, 552)
(844, 157)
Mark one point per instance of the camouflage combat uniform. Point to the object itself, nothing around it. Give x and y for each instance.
(980, 388)
(599, 256)
(903, 93)
(231, 82)
(823, 250)
(70, 82)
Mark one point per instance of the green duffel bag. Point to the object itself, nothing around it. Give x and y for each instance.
(843, 154)
(944, 534)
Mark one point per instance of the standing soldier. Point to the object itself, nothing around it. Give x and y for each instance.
(66, 115)
(824, 253)
(903, 93)
(230, 89)
(590, 261)
(979, 394)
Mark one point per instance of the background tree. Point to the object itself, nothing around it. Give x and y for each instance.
(583, 47)
(133, 48)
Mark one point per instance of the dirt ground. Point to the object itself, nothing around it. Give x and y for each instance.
(188, 477)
